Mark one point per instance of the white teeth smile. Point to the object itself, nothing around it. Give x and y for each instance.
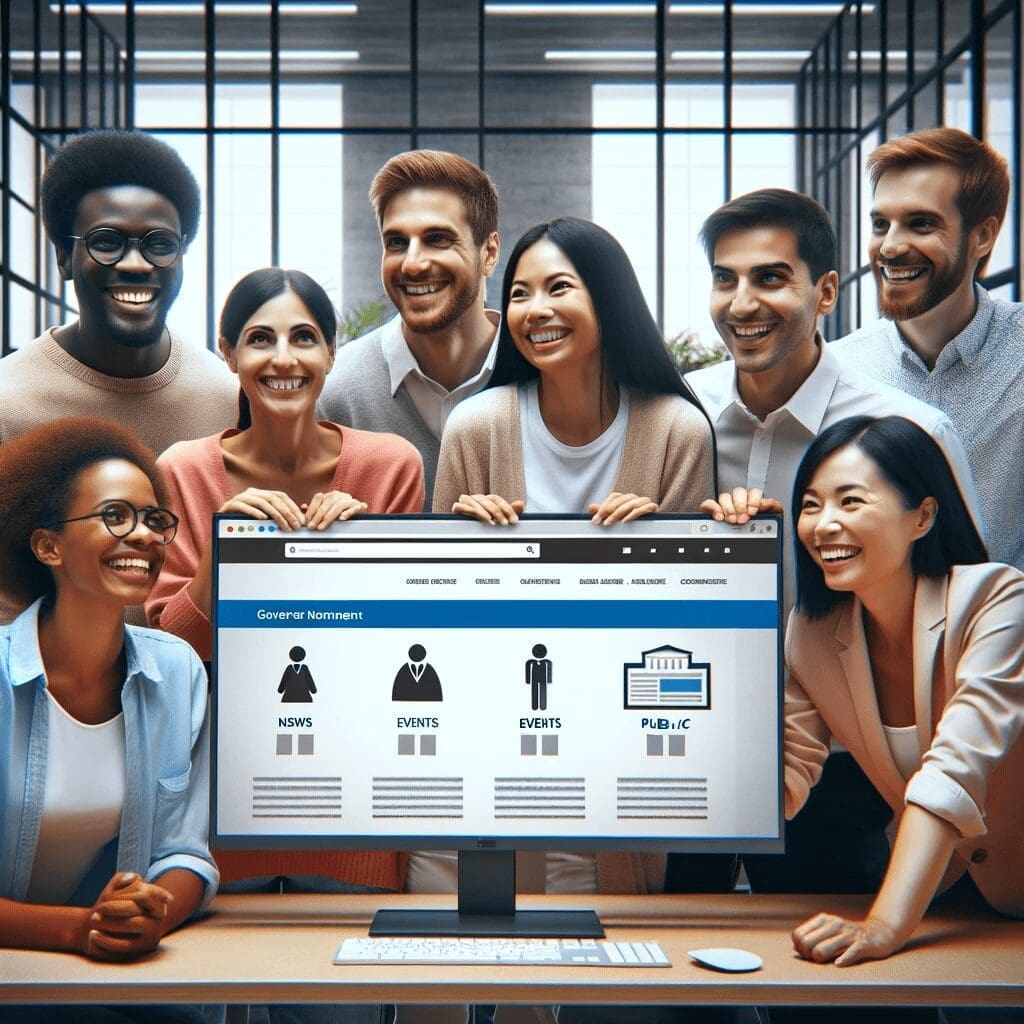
(899, 274)
(285, 383)
(757, 331)
(134, 297)
(421, 289)
(140, 565)
(837, 554)
(554, 334)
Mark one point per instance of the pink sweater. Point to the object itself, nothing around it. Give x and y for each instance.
(383, 470)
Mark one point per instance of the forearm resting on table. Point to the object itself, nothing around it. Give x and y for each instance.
(920, 856)
(36, 926)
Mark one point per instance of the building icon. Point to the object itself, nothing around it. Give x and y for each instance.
(667, 677)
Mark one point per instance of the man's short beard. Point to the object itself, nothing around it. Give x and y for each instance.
(451, 314)
(941, 286)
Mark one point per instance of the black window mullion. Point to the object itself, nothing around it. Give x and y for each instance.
(275, 137)
(659, 164)
(210, 97)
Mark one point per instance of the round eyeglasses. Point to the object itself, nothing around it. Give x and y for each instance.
(121, 517)
(107, 246)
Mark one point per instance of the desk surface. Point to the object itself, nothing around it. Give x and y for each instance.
(279, 948)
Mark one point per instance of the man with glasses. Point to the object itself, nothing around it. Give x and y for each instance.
(120, 209)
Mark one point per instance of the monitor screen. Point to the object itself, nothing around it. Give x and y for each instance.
(431, 682)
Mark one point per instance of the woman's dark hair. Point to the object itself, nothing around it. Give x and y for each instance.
(914, 464)
(633, 347)
(260, 286)
(39, 470)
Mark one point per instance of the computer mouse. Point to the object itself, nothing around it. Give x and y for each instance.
(726, 959)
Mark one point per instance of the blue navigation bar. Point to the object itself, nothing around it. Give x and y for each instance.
(437, 614)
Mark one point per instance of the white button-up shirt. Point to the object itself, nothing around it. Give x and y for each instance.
(766, 453)
(433, 401)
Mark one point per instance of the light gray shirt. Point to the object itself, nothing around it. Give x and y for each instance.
(766, 453)
(978, 382)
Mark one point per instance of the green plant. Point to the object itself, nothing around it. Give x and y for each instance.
(355, 321)
(689, 352)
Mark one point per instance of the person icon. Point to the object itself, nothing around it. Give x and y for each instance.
(416, 679)
(538, 677)
(297, 686)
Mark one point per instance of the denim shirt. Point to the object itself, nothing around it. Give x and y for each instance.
(165, 818)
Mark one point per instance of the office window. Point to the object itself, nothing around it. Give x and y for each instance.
(644, 115)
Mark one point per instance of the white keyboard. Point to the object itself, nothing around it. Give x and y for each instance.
(532, 952)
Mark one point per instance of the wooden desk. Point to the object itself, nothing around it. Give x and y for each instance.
(271, 949)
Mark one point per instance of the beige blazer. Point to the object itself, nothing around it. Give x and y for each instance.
(968, 652)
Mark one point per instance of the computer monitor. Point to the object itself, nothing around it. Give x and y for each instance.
(435, 683)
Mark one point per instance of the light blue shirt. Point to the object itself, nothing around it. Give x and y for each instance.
(978, 382)
(165, 819)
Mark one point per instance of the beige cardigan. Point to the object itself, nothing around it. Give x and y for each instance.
(667, 455)
(968, 651)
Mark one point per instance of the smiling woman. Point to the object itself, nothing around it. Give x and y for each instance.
(277, 333)
(585, 411)
(98, 864)
(907, 647)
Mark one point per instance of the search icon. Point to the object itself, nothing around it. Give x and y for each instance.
(529, 549)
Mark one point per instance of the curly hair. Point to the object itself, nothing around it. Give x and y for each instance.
(107, 158)
(40, 470)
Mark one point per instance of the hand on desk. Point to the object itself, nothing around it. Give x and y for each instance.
(127, 920)
(827, 937)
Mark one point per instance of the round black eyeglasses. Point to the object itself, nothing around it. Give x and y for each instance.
(107, 246)
(121, 517)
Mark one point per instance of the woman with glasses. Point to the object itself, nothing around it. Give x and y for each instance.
(103, 732)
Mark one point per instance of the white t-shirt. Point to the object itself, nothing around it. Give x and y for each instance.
(561, 478)
(85, 785)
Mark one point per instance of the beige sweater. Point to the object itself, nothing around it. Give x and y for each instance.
(667, 455)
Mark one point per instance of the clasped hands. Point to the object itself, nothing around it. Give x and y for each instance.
(324, 508)
(127, 920)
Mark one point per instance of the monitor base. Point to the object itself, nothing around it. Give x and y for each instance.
(544, 924)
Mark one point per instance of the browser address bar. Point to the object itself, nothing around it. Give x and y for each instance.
(414, 550)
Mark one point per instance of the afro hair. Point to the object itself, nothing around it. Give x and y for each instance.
(111, 157)
(39, 469)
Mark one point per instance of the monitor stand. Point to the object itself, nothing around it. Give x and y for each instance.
(487, 906)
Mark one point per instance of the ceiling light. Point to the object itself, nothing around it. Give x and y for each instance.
(560, 9)
(244, 56)
(767, 8)
(197, 7)
(609, 55)
(738, 56)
